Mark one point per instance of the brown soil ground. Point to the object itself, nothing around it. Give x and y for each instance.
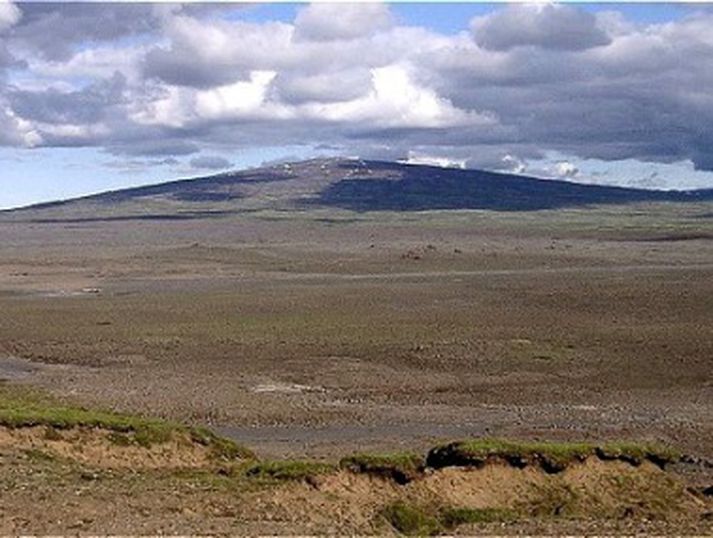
(80, 484)
(310, 334)
(100, 448)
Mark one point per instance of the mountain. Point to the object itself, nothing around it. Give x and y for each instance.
(350, 184)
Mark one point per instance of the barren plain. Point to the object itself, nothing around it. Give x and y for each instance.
(319, 332)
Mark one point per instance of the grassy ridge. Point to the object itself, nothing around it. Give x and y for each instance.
(399, 466)
(551, 456)
(20, 407)
(23, 408)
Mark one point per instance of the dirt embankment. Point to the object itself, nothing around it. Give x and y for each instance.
(497, 493)
(107, 449)
(182, 483)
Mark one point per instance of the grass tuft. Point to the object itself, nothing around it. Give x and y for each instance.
(453, 517)
(411, 520)
(289, 470)
(636, 453)
(222, 449)
(402, 467)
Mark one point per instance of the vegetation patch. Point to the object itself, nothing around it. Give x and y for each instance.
(402, 467)
(289, 470)
(222, 449)
(636, 454)
(454, 517)
(37, 455)
(550, 456)
(25, 409)
(411, 520)
(554, 500)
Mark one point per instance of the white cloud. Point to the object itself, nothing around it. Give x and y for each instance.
(16, 131)
(336, 21)
(94, 63)
(565, 169)
(513, 164)
(434, 160)
(395, 100)
(10, 14)
(170, 107)
(234, 100)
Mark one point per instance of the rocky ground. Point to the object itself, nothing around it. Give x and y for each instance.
(314, 334)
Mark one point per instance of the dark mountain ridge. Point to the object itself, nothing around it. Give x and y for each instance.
(360, 185)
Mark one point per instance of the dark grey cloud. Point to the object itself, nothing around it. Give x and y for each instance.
(179, 67)
(551, 26)
(7, 59)
(324, 87)
(55, 30)
(208, 162)
(155, 147)
(202, 53)
(89, 105)
(133, 165)
(638, 97)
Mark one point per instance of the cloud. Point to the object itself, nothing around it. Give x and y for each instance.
(166, 80)
(327, 87)
(132, 166)
(444, 162)
(565, 169)
(56, 30)
(395, 100)
(332, 22)
(86, 106)
(207, 162)
(15, 131)
(7, 59)
(204, 54)
(550, 26)
(155, 148)
(10, 14)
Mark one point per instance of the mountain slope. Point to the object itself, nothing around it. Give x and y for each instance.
(347, 184)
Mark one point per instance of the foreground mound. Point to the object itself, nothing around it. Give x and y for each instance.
(29, 422)
(107, 473)
(445, 499)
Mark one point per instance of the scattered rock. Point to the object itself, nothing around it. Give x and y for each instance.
(92, 291)
(411, 255)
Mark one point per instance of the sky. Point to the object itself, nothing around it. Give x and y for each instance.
(103, 96)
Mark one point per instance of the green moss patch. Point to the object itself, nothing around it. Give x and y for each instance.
(401, 467)
(414, 520)
(454, 517)
(21, 408)
(636, 454)
(411, 520)
(289, 470)
(553, 457)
